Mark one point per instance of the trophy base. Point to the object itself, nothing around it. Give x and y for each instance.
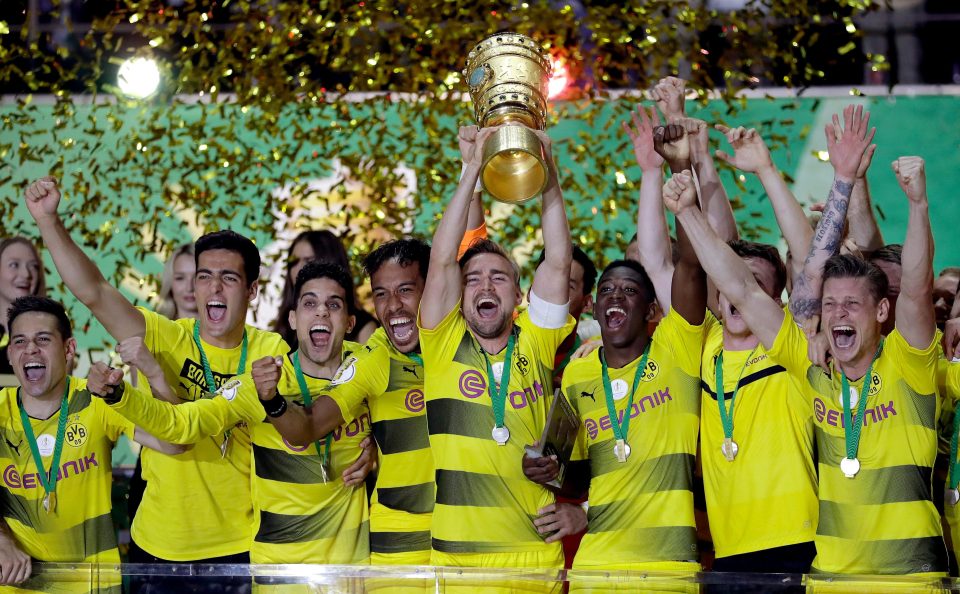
(514, 169)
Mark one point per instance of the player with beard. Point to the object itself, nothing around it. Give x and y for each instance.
(200, 497)
(388, 373)
(56, 450)
(638, 398)
(875, 414)
(307, 509)
(488, 384)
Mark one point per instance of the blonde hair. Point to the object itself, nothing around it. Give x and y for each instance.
(167, 306)
(42, 281)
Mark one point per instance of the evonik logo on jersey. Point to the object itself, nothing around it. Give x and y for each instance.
(12, 478)
(351, 429)
(474, 385)
(649, 402)
(834, 417)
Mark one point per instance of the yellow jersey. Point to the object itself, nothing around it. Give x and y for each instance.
(948, 381)
(766, 497)
(81, 530)
(200, 497)
(484, 503)
(402, 502)
(883, 520)
(298, 516)
(641, 510)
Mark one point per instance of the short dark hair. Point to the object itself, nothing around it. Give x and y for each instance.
(891, 252)
(316, 269)
(849, 266)
(950, 270)
(405, 251)
(31, 303)
(767, 253)
(234, 242)
(589, 268)
(645, 283)
(482, 245)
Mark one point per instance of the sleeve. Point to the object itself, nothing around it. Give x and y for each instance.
(790, 348)
(918, 367)
(351, 387)
(114, 425)
(952, 382)
(189, 422)
(438, 345)
(471, 236)
(684, 340)
(159, 331)
(546, 341)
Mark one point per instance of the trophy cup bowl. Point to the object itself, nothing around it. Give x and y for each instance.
(508, 75)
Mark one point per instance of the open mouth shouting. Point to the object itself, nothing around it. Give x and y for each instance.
(216, 311)
(487, 308)
(615, 317)
(34, 371)
(402, 327)
(320, 335)
(844, 336)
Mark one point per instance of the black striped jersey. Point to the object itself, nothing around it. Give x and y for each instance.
(484, 503)
(882, 521)
(641, 510)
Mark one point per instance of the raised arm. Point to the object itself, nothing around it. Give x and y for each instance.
(121, 319)
(133, 352)
(713, 197)
(298, 425)
(846, 145)
(653, 235)
(689, 280)
(552, 279)
(916, 319)
(750, 154)
(729, 273)
(862, 225)
(443, 287)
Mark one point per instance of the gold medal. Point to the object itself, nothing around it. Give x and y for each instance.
(50, 502)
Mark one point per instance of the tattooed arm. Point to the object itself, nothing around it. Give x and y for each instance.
(846, 146)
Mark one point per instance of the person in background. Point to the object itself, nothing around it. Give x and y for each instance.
(313, 245)
(21, 274)
(177, 299)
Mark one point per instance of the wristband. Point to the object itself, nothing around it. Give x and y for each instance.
(275, 407)
(115, 395)
(479, 186)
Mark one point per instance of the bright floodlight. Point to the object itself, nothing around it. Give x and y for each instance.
(139, 77)
(559, 80)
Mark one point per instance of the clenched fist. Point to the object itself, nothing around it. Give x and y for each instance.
(43, 197)
(266, 376)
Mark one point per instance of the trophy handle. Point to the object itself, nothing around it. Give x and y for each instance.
(514, 169)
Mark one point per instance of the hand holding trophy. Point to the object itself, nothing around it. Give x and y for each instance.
(508, 75)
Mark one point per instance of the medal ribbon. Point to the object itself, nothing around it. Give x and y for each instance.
(207, 372)
(952, 479)
(307, 400)
(499, 396)
(620, 428)
(726, 416)
(416, 358)
(48, 478)
(851, 430)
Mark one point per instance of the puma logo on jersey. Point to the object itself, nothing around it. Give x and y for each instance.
(589, 395)
(411, 370)
(16, 447)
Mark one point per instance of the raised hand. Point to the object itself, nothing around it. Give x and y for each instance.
(103, 380)
(672, 144)
(669, 95)
(912, 176)
(697, 132)
(750, 152)
(471, 141)
(133, 351)
(266, 375)
(848, 142)
(43, 197)
(641, 137)
(680, 193)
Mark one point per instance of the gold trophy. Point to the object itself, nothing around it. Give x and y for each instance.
(508, 75)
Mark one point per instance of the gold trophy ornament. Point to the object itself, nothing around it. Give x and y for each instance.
(508, 74)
